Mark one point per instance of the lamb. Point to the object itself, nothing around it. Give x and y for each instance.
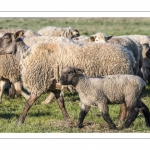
(56, 31)
(41, 69)
(111, 89)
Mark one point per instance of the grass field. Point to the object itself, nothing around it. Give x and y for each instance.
(48, 118)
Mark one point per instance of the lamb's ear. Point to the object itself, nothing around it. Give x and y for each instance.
(18, 34)
(79, 71)
(108, 37)
(92, 38)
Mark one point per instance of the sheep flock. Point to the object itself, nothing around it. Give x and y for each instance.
(115, 69)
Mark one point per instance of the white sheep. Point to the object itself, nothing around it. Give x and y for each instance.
(111, 89)
(57, 31)
(124, 41)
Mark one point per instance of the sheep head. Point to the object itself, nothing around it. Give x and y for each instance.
(70, 75)
(8, 42)
(74, 33)
(146, 50)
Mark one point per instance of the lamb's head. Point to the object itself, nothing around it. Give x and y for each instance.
(12, 43)
(100, 37)
(70, 76)
(146, 50)
(74, 33)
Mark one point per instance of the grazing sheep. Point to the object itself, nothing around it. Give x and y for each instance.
(56, 31)
(27, 33)
(111, 89)
(146, 62)
(41, 69)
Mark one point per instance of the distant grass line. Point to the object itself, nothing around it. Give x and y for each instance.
(86, 26)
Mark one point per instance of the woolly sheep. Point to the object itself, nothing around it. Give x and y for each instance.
(41, 69)
(139, 40)
(124, 41)
(27, 33)
(56, 31)
(111, 89)
(45, 39)
(10, 71)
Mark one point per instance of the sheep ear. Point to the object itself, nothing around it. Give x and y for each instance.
(108, 37)
(92, 38)
(145, 45)
(18, 34)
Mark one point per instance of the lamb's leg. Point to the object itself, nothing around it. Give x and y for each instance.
(145, 111)
(132, 112)
(2, 87)
(105, 114)
(48, 98)
(27, 106)
(84, 110)
(60, 101)
(122, 114)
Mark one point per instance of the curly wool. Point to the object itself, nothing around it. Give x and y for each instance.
(47, 60)
(124, 41)
(9, 68)
(56, 31)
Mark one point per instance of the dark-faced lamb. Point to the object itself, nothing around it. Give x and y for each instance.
(104, 90)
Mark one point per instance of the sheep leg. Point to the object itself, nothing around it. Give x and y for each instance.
(122, 114)
(83, 112)
(12, 91)
(19, 90)
(60, 101)
(27, 106)
(48, 99)
(132, 115)
(2, 87)
(144, 109)
(105, 114)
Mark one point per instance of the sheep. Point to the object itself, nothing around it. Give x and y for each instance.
(57, 31)
(146, 62)
(124, 41)
(27, 33)
(40, 70)
(10, 71)
(104, 90)
(81, 39)
(30, 41)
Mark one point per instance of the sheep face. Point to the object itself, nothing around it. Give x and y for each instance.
(9, 41)
(70, 76)
(146, 48)
(74, 33)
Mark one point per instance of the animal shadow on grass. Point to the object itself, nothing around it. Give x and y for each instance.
(9, 115)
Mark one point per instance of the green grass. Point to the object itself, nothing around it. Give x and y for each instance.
(48, 118)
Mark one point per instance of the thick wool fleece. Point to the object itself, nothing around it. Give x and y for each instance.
(47, 60)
